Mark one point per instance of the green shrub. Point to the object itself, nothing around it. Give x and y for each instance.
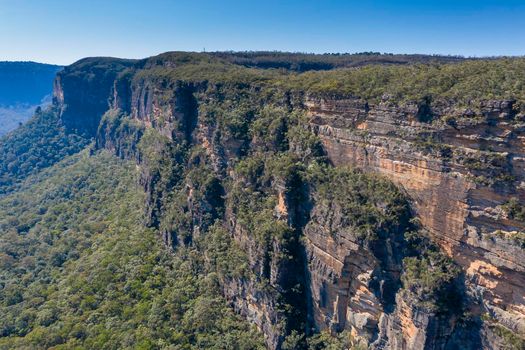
(430, 275)
(514, 209)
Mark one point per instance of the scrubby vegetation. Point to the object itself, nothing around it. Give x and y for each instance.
(510, 339)
(430, 275)
(517, 238)
(370, 204)
(464, 82)
(323, 341)
(514, 209)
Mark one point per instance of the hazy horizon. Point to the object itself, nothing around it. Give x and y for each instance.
(277, 51)
(62, 32)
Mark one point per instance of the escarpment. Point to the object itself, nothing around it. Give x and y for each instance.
(459, 172)
(82, 92)
(419, 245)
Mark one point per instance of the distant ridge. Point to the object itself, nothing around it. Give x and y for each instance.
(25, 83)
(23, 87)
(300, 61)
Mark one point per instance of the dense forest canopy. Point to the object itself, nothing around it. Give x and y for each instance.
(79, 270)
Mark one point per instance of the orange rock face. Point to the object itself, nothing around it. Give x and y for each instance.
(458, 182)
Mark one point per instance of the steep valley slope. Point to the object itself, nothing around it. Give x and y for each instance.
(80, 270)
(331, 206)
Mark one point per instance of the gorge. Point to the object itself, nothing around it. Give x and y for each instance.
(345, 201)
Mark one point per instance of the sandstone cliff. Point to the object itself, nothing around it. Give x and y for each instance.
(314, 263)
(459, 173)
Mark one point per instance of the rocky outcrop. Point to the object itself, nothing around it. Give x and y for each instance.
(83, 92)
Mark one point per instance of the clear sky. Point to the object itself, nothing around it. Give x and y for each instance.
(63, 31)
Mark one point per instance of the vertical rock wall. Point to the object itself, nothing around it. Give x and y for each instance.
(459, 172)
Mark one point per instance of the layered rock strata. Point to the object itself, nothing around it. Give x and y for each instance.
(460, 166)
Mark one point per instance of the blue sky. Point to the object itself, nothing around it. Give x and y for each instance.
(63, 31)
